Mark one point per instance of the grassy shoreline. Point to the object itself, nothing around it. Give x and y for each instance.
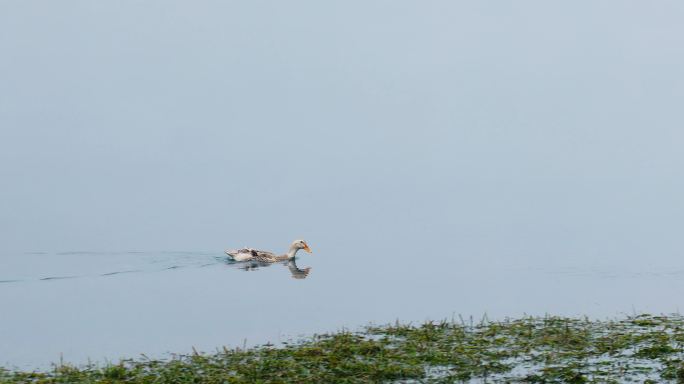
(643, 348)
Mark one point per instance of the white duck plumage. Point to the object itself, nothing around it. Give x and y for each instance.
(250, 254)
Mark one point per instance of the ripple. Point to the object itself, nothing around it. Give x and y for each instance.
(58, 278)
(120, 272)
(80, 264)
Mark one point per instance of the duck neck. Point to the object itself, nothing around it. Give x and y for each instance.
(292, 252)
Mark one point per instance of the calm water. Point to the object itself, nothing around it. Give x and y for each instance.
(102, 306)
(441, 158)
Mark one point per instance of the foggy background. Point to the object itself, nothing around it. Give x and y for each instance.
(532, 130)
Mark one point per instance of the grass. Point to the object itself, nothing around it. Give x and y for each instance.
(644, 349)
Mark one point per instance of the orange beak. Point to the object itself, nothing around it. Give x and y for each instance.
(306, 248)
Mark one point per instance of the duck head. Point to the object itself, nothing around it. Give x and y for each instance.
(301, 244)
(296, 246)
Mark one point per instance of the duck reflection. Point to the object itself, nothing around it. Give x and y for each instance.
(295, 271)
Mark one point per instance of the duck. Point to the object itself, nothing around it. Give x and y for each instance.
(250, 254)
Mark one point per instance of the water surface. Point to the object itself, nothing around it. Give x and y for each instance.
(83, 306)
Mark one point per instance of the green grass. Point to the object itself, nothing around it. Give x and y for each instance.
(529, 350)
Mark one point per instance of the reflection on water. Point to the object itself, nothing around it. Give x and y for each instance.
(295, 271)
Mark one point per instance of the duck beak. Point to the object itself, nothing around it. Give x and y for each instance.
(306, 248)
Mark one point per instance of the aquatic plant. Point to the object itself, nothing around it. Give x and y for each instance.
(547, 349)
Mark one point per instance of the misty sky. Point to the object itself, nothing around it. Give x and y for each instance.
(166, 125)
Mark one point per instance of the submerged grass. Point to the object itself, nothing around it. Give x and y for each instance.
(645, 349)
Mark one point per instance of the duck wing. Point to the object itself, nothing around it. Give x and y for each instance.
(246, 254)
(263, 256)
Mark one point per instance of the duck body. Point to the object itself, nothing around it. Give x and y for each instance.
(250, 254)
